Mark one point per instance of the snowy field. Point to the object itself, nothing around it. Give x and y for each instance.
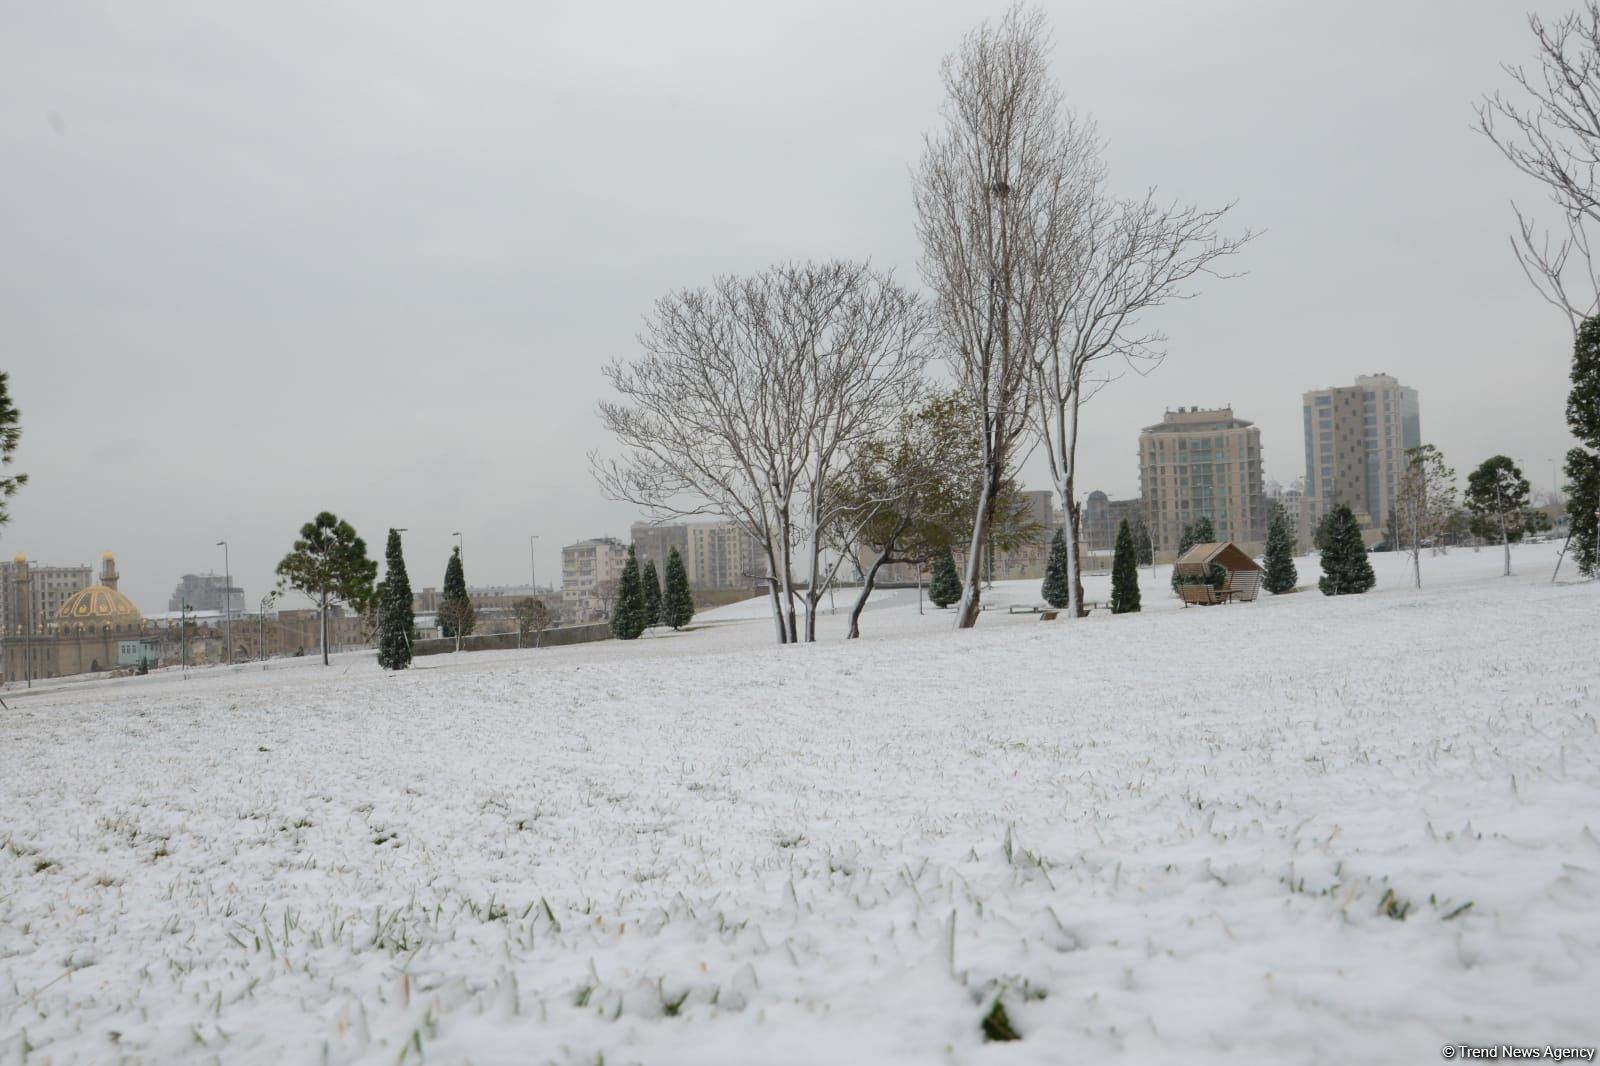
(1301, 830)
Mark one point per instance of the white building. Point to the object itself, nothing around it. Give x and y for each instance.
(590, 570)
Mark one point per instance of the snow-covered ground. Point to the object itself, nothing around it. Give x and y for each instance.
(1300, 830)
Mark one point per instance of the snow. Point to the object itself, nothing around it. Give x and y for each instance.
(1157, 836)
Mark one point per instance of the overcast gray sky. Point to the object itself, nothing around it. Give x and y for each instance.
(258, 261)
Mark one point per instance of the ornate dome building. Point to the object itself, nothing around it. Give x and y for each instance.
(90, 632)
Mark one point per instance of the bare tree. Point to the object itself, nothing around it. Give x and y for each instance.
(1426, 500)
(1102, 263)
(533, 618)
(977, 190)
(1554, 137)
(752, 395)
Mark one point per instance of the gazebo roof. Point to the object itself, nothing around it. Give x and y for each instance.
(1226, 554)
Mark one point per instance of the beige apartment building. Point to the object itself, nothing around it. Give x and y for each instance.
(716, 555)
(1356, 440)
(590, 570)
(31, 592)
(1202, 462)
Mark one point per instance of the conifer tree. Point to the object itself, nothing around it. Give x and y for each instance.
(10, 434)
(1056, 590)
(395, 618)
(1281, 575)
(1199, 531)
(627, 619)
(945, 588)
(1125, 572)
(1345, 568)
(677, 603)
(652, 593)
(1583, 464)
(457, 618)
(329, 564)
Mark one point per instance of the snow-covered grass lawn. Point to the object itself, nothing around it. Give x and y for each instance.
(1302, 830)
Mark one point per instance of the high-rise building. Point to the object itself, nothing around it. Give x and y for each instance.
(590, 570)
(30, 593)
(716, 555)
(1356, 440)
(1195, 463)
(206, 592)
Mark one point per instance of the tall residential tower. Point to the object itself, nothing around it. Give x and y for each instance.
(1356, 439)
(1202, 462)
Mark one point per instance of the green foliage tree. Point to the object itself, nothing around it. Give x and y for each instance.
(1583, 463)
(1125, 572)
(144, 665)
(1497, 500)
(533, 618)
(396, 621)
(457, 617)
(1056, 589)
(10, 435)
(1281, 575)
(651, 581)
(945, 588)
(677, 602)
(628, 617)
(329, 564)
(1200, 531)
(1345, 567)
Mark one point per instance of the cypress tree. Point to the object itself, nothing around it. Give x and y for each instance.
(1345, 568)
(1056, 589)
(456, 615)
(627, 620)
(395, 619)
(1281, 576)
(652, 593)
(1583, 464)
(1125, 573)
(945, 588)
(677, 604)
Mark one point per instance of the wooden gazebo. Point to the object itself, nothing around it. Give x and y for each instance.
(1196, 571)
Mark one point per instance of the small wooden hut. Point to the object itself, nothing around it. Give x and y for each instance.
(1198, 569)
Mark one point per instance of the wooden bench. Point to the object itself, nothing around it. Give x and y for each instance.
(1242, 586)
(1199, 595)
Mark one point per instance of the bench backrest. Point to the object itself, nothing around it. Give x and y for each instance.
(1244, 584)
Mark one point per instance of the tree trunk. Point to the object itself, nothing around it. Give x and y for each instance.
(967, 609)
(777, 608)
(867, 585)
(323, 615)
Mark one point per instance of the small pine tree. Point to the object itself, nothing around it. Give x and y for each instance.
(144, 665)
(1057, 588)
(945, 588)
(1125, 573)
(1345, 568)
(1281, 575)
(1199, 531)
(677, 603)
(627, 620)
(395, 618)
(652, 593)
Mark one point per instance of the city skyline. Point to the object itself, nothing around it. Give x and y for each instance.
(251, 247)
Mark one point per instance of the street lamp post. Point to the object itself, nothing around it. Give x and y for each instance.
(266, 601)
(227, 600)
(533, 577)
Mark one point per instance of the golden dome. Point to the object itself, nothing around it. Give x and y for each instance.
(99, 605)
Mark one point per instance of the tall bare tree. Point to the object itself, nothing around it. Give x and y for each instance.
(752, 395)
(980, 186)
(1549, 128)
(1103, 263)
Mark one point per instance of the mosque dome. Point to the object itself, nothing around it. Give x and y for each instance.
(99, 605)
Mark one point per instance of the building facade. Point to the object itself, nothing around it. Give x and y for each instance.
(1356, 440)
(590, 570)
(1202, 462)
(716, 555)
(1103, 516)
(206, 592)
(35, 599)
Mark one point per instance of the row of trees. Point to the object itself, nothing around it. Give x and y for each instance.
(642, 602)
(795, 402)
